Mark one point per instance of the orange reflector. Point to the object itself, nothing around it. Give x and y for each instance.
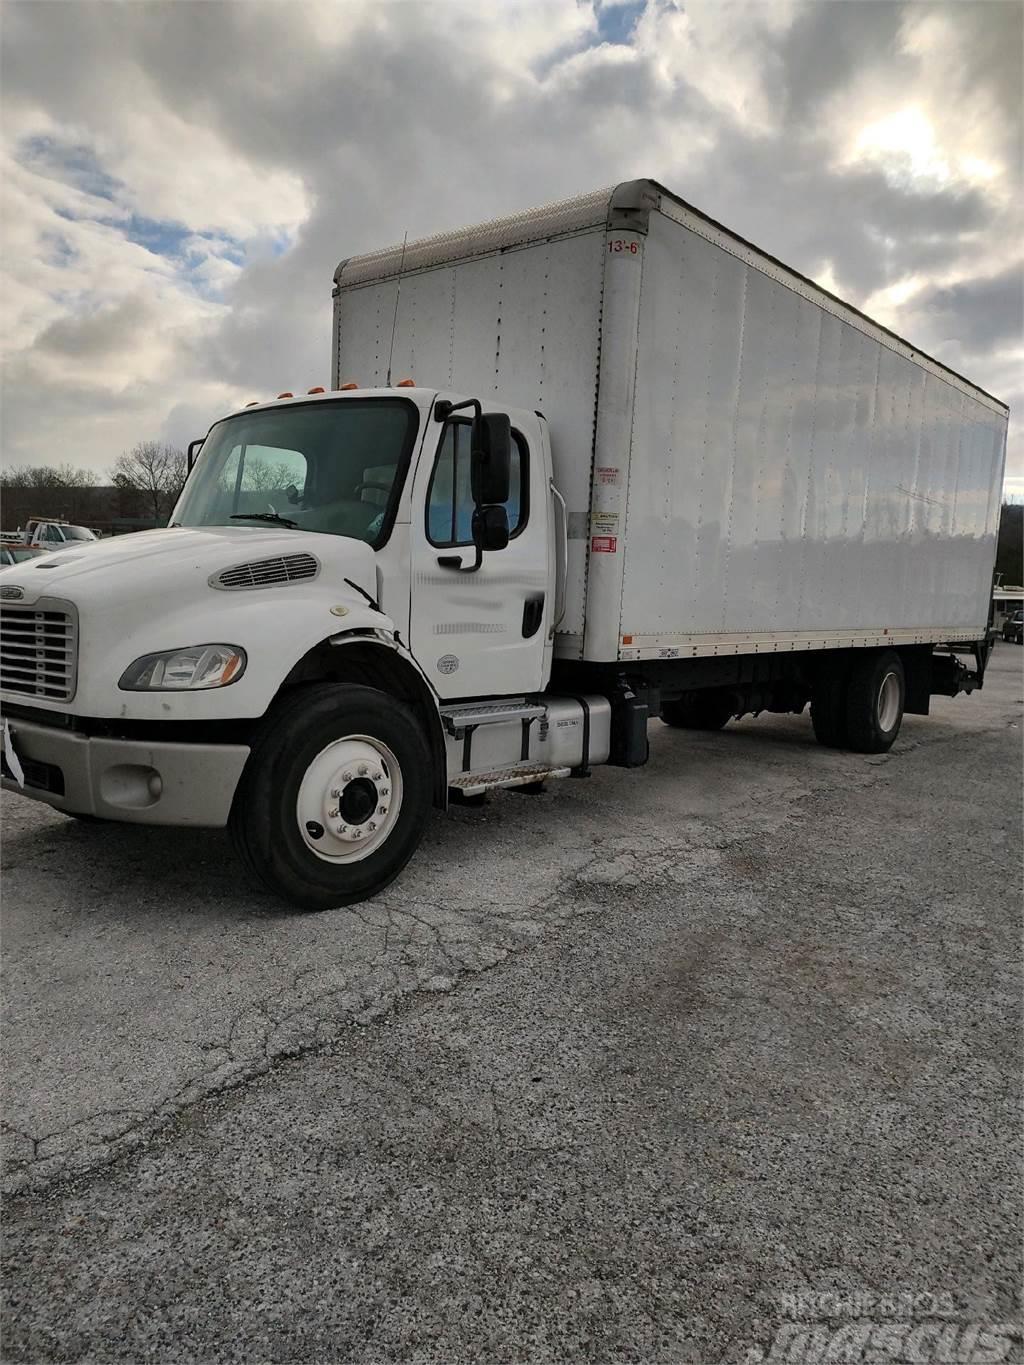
(230, 669)
(345, 387)
(319, 389)
(406, 384)
(253, 403)
(286, 395)
(627, 639)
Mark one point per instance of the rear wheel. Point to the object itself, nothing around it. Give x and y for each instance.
(708, 710)
(874, 702)
(334, 797)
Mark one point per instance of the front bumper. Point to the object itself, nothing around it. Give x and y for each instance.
(136, 781)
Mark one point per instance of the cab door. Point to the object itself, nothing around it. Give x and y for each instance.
(483, 632)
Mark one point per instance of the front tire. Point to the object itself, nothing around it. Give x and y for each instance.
(874, 703)
(334, 798)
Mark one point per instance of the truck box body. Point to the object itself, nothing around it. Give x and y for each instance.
(749, 464)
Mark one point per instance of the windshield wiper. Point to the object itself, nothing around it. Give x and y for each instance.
(275, 517)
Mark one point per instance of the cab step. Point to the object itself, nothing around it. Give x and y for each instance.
(475, 784)
(471, 714)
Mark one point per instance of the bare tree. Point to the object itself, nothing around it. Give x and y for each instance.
(260, 475)
(155, 471)
(46, 476)
(177, 473)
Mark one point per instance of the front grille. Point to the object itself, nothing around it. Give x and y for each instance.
(264, 573)
(38, 651)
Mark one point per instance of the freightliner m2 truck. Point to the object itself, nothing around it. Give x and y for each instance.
(644, 471)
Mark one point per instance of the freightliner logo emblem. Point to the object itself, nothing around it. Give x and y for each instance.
(10, 593)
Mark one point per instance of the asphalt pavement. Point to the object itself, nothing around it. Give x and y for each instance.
(610, 1073)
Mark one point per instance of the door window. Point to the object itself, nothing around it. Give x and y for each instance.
(450, 496)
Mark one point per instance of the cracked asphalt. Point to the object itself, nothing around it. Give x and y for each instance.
(603, 1076)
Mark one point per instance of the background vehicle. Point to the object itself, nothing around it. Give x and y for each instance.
(1013, 627)
(656, 474)
(54, 535)
(15, 552)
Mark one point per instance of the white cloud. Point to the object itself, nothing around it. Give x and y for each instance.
(181, 180)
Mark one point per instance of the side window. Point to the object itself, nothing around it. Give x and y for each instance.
(450, 496)
(253, 476)
(272, 469)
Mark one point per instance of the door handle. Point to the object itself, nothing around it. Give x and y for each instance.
(533, 614)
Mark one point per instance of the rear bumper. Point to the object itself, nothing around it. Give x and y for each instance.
(143, 783)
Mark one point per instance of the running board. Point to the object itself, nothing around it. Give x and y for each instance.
(472, 714)
(475, 784)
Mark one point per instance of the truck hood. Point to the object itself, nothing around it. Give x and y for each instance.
(153, 561)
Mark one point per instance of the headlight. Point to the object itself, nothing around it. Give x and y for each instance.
(185, 670)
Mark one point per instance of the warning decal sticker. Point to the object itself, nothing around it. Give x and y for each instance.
(603, 545)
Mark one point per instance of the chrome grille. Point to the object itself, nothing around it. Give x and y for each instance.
(38, 651)
(265, 573)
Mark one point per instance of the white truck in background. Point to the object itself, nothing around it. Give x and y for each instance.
(48, 534)
(645, 471)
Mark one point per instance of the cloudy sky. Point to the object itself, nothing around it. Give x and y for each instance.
(181, 177)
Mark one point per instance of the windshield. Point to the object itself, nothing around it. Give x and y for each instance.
(77, 533)
(334, 467)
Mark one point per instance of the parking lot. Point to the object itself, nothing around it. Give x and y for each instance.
(604, 1075)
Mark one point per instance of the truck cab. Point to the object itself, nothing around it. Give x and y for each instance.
(352, 612)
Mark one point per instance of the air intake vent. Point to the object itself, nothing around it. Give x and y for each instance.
(268, 573)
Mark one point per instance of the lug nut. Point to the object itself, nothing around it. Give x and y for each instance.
(377, 776)
(343, 829)
(333, 814)
(384, 791)
(335, 793)
(347, 777)
(372, 825)
(357, 834)
(382, 810)
(363, 770)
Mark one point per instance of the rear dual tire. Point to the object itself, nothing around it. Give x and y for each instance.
(334, 798)
(862, 711)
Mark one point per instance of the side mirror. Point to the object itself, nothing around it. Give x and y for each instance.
(491, 458)
(490, 528)
(192, 448)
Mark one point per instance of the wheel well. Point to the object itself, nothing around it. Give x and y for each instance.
(363, 661)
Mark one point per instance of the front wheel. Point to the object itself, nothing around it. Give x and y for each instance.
(874, 703)
(334, 798)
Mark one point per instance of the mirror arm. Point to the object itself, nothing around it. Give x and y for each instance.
(455, 561)
(444, 408)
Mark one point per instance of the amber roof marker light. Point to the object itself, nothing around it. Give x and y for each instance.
(344, 388)
(406, 384)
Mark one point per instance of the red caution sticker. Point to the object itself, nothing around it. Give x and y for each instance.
(603, 545)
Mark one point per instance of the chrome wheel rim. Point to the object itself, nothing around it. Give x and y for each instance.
(889, 701)
(349, 799)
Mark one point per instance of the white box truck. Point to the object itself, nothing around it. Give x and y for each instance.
(579, 469)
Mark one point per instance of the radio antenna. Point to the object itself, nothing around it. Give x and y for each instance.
(394, 320)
